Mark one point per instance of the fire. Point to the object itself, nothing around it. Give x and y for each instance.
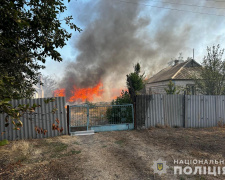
(81, 94)
(59, 93)
(86, 93)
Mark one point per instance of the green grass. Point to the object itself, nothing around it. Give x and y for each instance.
(75, 152)
(56, 148)
(76, 143)
(4, 142)
(120, 142)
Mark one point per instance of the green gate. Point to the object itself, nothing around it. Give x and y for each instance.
(101, 118)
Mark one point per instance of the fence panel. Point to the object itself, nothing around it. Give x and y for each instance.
(159, 109)
(199, 110)
(42, 117)
(204, 111)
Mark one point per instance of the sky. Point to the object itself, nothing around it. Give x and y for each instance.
(118, 33)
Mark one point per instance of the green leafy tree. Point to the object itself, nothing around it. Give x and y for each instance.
(30, 31)
(124, 98)
(211, 78)
(171, 88)
(135, 81)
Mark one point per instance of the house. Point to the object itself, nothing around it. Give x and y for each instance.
(180, 74)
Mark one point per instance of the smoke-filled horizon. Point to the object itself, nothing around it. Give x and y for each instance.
(117, 35)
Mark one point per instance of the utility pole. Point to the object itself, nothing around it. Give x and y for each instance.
(193, 54)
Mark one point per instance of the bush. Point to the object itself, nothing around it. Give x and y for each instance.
(119, 114)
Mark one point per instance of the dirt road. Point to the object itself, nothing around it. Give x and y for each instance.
(108, 155)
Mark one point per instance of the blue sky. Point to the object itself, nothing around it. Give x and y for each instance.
(166, 30)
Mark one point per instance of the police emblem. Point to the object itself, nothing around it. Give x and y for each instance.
(159, 166)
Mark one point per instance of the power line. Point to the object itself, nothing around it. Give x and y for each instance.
(215, 1)
(192, 5)
(173, 9)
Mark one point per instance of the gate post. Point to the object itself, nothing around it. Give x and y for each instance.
(87, 116)
(68, 119)
(134, 114)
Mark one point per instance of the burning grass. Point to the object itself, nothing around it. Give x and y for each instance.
(81, 94)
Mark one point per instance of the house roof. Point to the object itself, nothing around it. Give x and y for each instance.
(181, 71)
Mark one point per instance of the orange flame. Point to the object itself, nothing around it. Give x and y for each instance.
(59, 93)
(81, 94)
(86, 93)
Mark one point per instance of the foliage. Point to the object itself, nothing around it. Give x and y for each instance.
(124, 98)
(30, 31)
(211, 78)
(119, 114)
(135, 81)
(4, 142)
(114, 114)
(171, 88)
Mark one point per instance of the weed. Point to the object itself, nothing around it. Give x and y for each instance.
(75, 152)
(104, 146)
(120, 142)
(160, 126)
(4, 142)
(221, 124)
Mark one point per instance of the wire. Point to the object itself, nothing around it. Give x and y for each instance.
(192, 5)
(173, 9)
(215, 1)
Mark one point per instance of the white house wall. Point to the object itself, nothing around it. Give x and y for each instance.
(159, 87)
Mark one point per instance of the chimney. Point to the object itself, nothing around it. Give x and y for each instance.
(176, 62)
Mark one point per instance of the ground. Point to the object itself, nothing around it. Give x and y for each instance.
(111, 155)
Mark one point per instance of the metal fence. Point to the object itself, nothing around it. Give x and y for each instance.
(204, 111)
(42, 118)
(180, 110)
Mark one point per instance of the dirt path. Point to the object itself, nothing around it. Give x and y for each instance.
(119, 155)
(123, 155)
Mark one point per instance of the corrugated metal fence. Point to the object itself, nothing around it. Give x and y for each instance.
(42, 117)
(180, 110)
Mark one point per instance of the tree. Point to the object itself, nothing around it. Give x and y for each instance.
(30, 31)
(124, 98)
(171, 88)
(49, 86)
(135, 81)
(211, 78)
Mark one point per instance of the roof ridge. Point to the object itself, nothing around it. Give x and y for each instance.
(180, 69)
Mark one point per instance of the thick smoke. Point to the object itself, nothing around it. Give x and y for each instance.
(120, 34)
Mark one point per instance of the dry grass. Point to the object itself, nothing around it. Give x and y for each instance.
(110, 155)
